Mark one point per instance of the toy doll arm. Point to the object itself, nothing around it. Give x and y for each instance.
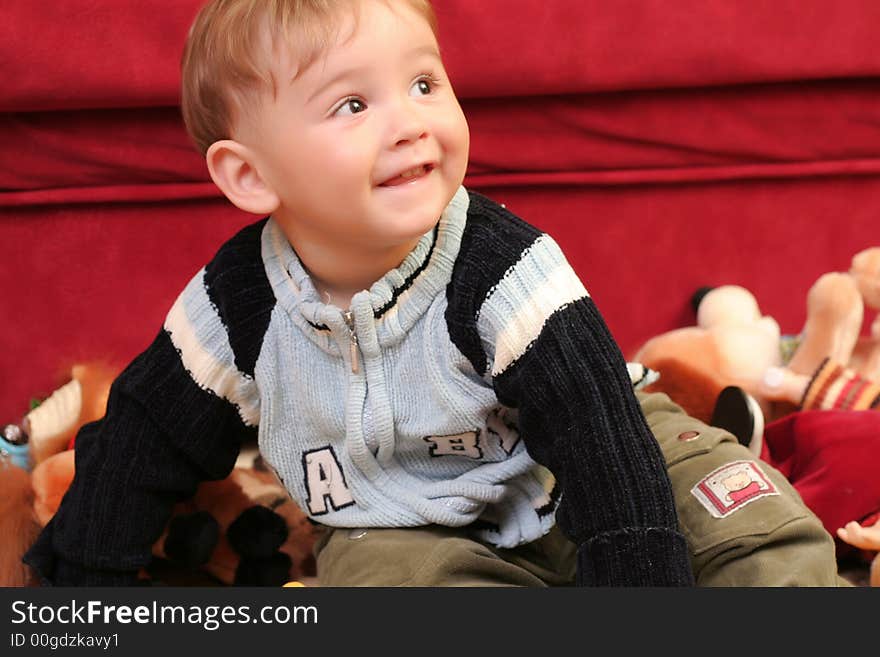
(548, 353)
(864, 538)
(832, 386)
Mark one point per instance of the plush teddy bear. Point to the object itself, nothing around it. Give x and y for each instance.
(815, 432)
(242, 530)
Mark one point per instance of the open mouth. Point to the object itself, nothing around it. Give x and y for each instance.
(408, 176)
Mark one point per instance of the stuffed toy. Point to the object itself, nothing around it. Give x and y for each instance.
(51, 426)
(734, 344)
(42, 433)
(697, 363)
(833, 366)
(241, 530)
(18, 525)
(835, 308)
(820, 431)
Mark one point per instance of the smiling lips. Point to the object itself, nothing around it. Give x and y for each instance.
(408, 176)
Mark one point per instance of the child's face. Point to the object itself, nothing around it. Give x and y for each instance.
(368, 144)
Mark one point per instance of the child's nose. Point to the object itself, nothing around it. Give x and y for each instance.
(408, 125)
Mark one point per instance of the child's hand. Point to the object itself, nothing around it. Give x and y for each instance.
(864, 538)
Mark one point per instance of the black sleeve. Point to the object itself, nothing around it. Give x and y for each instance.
(176, 416)
(516, 309)
(579, 417)
(162, 435)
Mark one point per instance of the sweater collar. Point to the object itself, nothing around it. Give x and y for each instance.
(397, 299)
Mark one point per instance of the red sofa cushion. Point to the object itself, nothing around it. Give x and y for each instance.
(88, 54)
(665, 145)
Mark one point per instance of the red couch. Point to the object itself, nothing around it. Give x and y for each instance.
(665, 145)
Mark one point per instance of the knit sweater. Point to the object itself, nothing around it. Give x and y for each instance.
(475, 385)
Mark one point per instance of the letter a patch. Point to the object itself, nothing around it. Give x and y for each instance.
(325, 482)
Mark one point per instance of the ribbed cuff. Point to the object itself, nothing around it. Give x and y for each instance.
(53, 571)
(69, 574)
(635, 557)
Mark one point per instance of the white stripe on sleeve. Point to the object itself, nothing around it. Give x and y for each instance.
(205, 351)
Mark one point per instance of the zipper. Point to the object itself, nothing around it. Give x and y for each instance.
(352, 340)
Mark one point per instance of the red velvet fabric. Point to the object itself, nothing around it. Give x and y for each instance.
(753, 132)
(830, 457)
(665, 146)
(102, 53)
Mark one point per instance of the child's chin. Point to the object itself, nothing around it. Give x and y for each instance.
(418, 220)
(411, 232)
(407, 230)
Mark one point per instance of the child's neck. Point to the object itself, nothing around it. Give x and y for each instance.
(339, 271)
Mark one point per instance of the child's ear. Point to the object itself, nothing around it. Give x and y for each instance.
(232, 169)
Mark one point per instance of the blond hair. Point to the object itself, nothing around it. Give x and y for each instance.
(227, 58)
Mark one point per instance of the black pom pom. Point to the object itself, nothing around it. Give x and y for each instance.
(191, 539)
(271, 571)
(258, 532)
(697, 296)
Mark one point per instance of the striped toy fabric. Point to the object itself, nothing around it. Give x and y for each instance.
(834, 386)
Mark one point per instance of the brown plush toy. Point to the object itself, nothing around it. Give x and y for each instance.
(733, 344)
(18, 526)
(40, 436)
(52, 426)
(241, 530)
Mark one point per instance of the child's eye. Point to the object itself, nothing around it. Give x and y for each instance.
(422, 87)
(350, 106)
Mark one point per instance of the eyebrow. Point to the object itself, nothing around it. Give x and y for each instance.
(357, 71)
(339, 77)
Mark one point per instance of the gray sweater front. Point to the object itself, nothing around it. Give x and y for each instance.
(432, 401)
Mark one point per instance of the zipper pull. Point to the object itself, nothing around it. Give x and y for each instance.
(353, 340)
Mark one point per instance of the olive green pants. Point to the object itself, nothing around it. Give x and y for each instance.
(744, 523)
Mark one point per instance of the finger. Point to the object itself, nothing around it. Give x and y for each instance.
(857, 536)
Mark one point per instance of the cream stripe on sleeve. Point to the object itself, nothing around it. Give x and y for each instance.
(516, 310)
(211, 369)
